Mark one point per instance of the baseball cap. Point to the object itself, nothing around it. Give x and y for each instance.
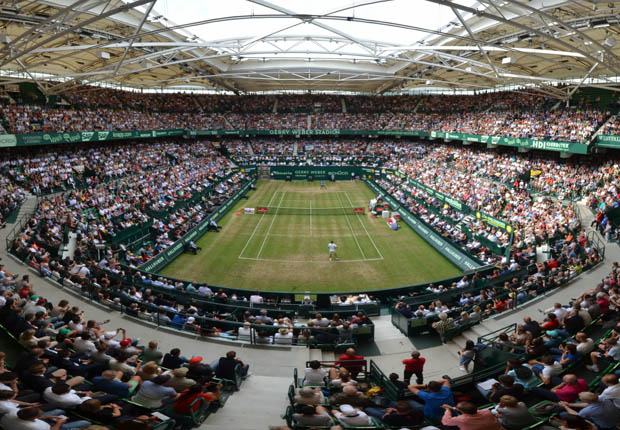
(195, 360)
(125, 342)
(348, 410)
(64, 331)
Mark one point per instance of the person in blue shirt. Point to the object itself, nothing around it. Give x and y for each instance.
(438, 394)
(565, 354)
(603, 413)
(178, 321)
(109, 382)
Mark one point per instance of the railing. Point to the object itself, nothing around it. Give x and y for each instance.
(224, 326)
(20, 223)
(596, 242)
(492, 336)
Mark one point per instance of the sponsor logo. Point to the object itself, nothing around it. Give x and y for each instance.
(102, 135)
(87, 135)
(7, 140)
(550, 145)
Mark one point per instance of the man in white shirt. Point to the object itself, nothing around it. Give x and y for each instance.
(283, 337)
(612, 392)
(30, 419)
(320, 321)
(332, 251)
(62, 396)
(559, 311)
(585, 345)
(315, 375)
(83, 344)
(350, 416)
(256, 299)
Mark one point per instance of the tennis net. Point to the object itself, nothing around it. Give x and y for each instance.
(285, 210)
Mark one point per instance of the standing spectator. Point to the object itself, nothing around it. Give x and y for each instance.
(414, 366)
(467, 355)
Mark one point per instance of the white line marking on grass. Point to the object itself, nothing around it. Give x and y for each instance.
(309, 261)
(310, 217)
(257, 224)
(271, 225)
(367, 232)
(351, 227)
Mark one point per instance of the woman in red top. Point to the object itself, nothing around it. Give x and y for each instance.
(194, 392)
(552, 322)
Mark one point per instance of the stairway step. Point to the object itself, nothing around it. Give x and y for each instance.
(328, 356)
(453, 348)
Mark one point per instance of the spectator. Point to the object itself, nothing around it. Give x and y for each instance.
(154, 394)
(227, 367)
(603, 413)
(187, 397)
(512, 414)
(470, 417)
(414, 366)
(438, 394)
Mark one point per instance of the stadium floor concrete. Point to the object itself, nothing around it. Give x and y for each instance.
(263, 396)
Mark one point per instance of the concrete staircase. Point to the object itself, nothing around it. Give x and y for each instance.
(28, 207)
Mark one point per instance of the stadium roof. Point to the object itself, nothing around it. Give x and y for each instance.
(370, 46)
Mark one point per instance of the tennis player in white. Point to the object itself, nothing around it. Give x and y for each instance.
(332, 251)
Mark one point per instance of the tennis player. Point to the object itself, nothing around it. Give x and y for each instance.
(332, 251)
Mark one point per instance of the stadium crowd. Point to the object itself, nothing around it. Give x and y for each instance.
(507, 114)
(546, 383)
(73, 372)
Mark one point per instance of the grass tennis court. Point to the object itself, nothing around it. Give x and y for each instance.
(286, 249)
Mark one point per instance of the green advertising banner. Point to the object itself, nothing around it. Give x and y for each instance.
(455, 255)
(462, 207)
(11, 140)
(32, 139)
(605, 141)
(495, 222)
(323, 172)
(546, 145)
(173, 251)
(455, 203)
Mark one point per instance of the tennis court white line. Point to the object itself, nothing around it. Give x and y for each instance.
(256, 228)
(271, 225)
(351, 227)
(367, 232)
(310, 217)
(295, 236)
(309, 261)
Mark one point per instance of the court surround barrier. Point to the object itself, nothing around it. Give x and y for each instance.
(456, 256)
(173, 251)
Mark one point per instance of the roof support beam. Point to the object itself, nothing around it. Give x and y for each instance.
(144, 18)
(471, 34)
(16, 54)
